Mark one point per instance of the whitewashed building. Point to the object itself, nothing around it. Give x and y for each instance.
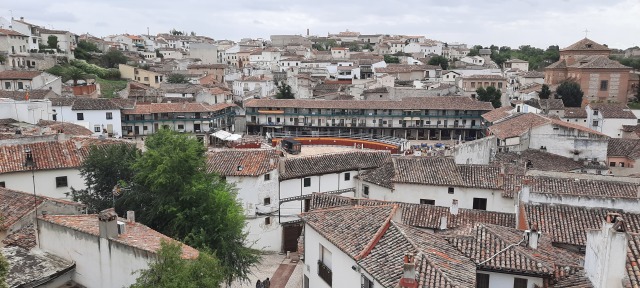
(609, 119)
(100, 115)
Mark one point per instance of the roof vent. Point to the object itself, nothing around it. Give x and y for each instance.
(239, 168)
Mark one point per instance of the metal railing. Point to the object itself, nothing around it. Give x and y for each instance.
(324, 272)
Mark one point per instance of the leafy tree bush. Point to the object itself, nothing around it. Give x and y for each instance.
(490, 95)
(391, 59)
(112, 58)
(52, 42)
(176, 78)
(570, 93)
(545, 92)
(4, 271)
(439, 60)
(284, 91)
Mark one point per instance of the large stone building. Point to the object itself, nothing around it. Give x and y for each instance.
(587, 63)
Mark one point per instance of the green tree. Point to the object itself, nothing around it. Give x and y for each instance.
(171, 271)
(84, 49)
(491, 94)
(176, 78)
(368, 47)
(173, 193)
(439, 60)
(112, 58)
(284, 91)
(3, 59)
(354, 47)
(570, 93)
(52, 42)
(545, 92)
(475, 50)
(391, 59)
(4, 271)
(104, 168)
(75, 74)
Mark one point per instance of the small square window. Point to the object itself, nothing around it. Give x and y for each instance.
(267, 221)
(451, 190)
(2, 184)
(267, 177)
(520, 283)
(180, 127)
(480, 203)
(109, 115)
(267, 201)
(80, 116)
(347, 176)
(595, 123)
(97, 129)
(145, 128)
(612, 164)
(365, 190)
(61, 181)
(307, 182)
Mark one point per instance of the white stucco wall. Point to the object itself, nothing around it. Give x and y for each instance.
(26, 111)
(100, 263)
(343, 275)
(626, 204)
(501, 280)
(92, 118)
(564, 145)
(319, 183)
(476, 152)
(45, 182)
(605, 256)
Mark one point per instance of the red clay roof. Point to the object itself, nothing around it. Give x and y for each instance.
(254, 162)
(175, 108)
(18, 75)
(136, 235)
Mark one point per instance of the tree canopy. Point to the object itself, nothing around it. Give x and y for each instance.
(4, 271)
(103, 169)
(52, 42)
(570, 93)
(439, 60)
(171, 271)
(112, 58)
(490, 95)
(391, 59)
(84, 49)
(284, 91)
(172, 193)
(176, 78)
(545, 92)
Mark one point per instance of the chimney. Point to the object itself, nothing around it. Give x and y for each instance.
(500, 180)
(131, 216)
(397, 215)
(443, 222)
(525, 191)
(606, 253)
(453, 210)
(408, 279)
(576, 157)
(21, 18)
(108, 223)
(533, 236)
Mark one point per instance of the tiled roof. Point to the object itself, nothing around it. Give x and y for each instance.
(583, 187)
(136, 235)
(484, 77)
(175, 108)
(207, 66)
(533, 74)
(442, 103)
(633, 260)
(18, 75)
(48, 155)
(24, 237)
(21, 95)
(481, 241)
(498, 113)
(7, 32)
(569, 224)
(438, 264)
(31, 268)
(585, 44)
(629, 148)
(551, 104)
(571, 112)
(66, 128)
(597, 62)
(403, 68)
(518, 125)
(14, 206)
(613, 111)
(576, 280)
(338, 226)
(540, 160)
(254, 162)
(332, 163)
(94, 104)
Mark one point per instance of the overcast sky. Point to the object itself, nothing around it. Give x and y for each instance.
(513, 23)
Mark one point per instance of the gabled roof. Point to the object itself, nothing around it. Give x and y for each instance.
(551, 104)
(66, 127)
(242, 162)
(633, 260)
(586, 44)
(136, 235)
(583, 187)
(575, 112)
(19, 75)
(540, 160)
(597, 62)
(94, 104)
(498, 113)
(175, 108)
(7, 32)
(483, 241)
(332, 163)
(520, 124)
(619, 147)
(613, 110)
(17, 204)
(33, 94)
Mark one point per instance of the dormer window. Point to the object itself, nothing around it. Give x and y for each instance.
(589, 45)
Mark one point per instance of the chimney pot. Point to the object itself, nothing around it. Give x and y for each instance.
(131, 216)
(453, 210)
(534, 235)
(108, 223)
(408, 279)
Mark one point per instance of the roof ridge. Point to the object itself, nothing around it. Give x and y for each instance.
(376, 238)
(521, 250)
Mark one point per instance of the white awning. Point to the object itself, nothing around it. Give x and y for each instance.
(226, 136)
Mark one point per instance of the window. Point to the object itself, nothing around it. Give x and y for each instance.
(451, 190)
(267, 177)
(519, 283)
(180, 127)
(109, 115)
(500, 85)
(480, 203)
(146, 78)
(20, 85)
(347, 176)
(482, 280)
(61, 181)
(307, 182)
(595, 123)
(7, 85)
(621, 164)
(80, 116)
(365, 190)
(145, 128)
(604, 85)
(428, 201)
(324, 265)
(267, 201)
(97, 129)
(612, 164)
(366, 283)
(267, 221)
(2, 184)
(595, 112)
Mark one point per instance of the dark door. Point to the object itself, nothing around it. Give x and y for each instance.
(291, 234)
(136, 130)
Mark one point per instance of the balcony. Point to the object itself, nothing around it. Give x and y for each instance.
(324, 272)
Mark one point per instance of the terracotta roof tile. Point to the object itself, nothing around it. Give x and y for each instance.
(14, 206)
(175, 108)
(497, 114)
(571, 112)
(517, 125)
(442, 103)
(613, 111)
(7, 32)
(36, 94)
(629, 148)
(332, 163)
(633, 260)
(576, 280)
(136, 235)
(18, 75)
(24, 237)
(585, 44)
(540, 160)
(66, 128)
(583, 187)
(254, 162)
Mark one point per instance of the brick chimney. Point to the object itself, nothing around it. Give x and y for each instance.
(408, 279)
(533, 236)
(606, 253)
(108, 223)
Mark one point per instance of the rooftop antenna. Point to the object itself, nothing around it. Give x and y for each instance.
(586, 32)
